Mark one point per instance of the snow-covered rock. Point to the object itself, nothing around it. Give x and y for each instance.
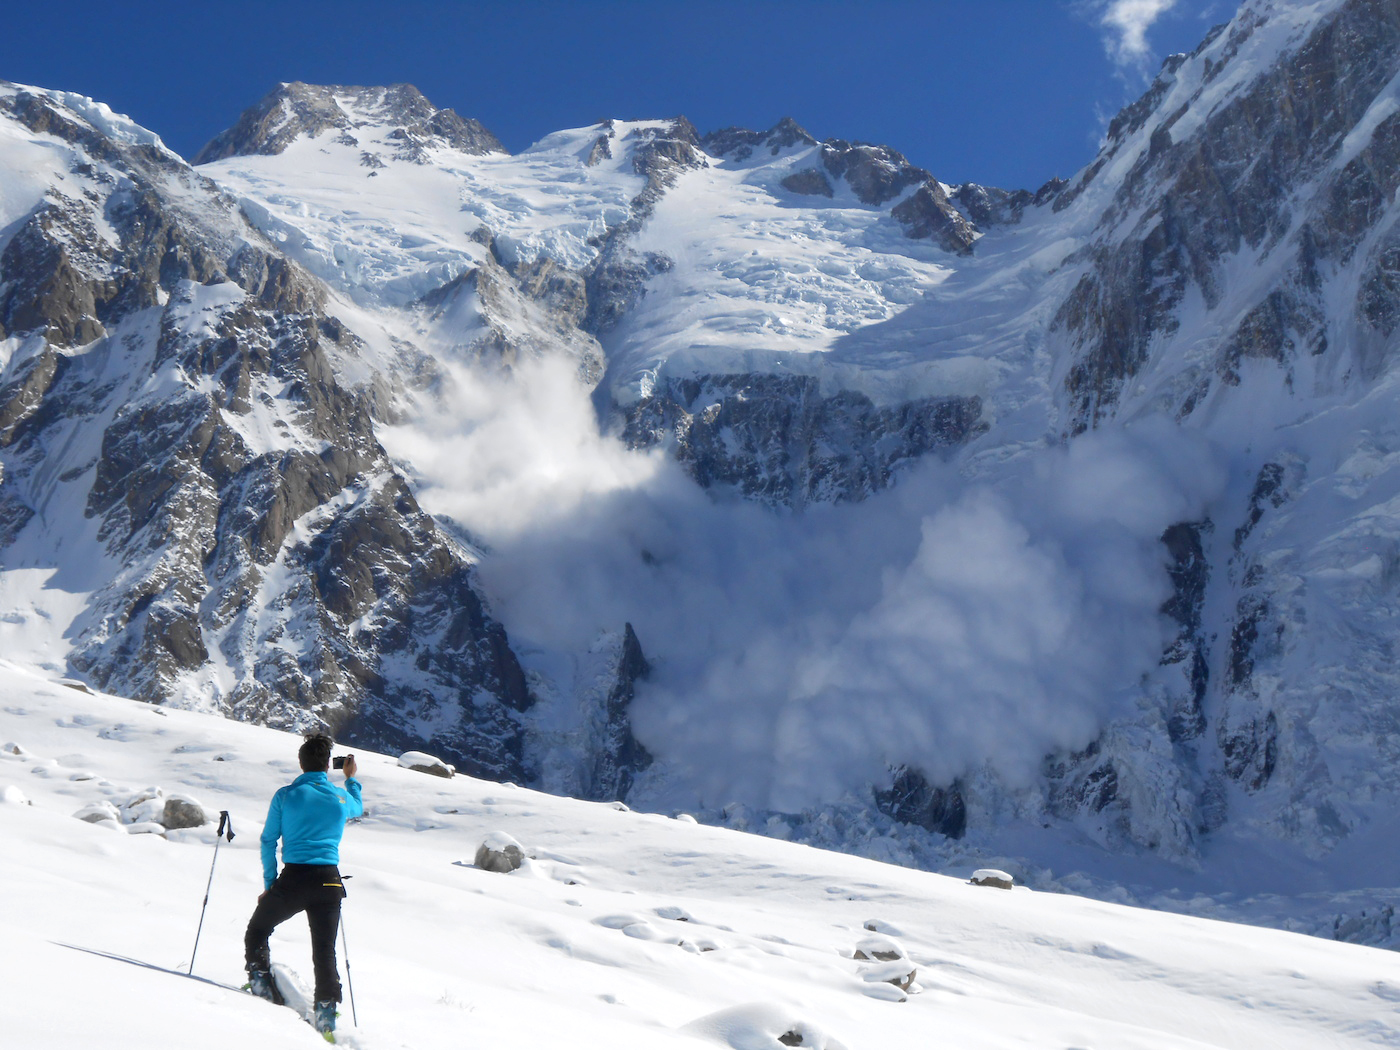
(182, 811)
(992, 877)
(421, 762)
(101, 812)
(880, 948)
(499, 852)
(145, 806)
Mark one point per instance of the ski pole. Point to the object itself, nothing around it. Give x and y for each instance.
(225, 821)
(345, 948)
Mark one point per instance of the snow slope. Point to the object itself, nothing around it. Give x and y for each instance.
(623, 930)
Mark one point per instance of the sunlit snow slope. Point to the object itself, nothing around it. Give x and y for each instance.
(622, 930)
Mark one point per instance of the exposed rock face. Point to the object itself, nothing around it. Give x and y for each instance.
(987, 206)
(1188, 651)
(809, 182)
(779, 440)
(1189, 203)
(876, 175)
(535, 310)
(619, 757)
(258, 525)
(911, 799)
(928, 214)
(293, 110)
(741, 144)
(616, 281)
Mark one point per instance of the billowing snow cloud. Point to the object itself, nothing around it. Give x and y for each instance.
(946, 623)
(1126, 23)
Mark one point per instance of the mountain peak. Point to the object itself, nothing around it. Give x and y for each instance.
(292, 110)
(740, 143)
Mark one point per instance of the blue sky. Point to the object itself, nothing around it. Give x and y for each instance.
(1003, 92)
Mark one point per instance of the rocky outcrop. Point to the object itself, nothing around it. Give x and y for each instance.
(781, 441)
(616, 280)
(293, 110)
(928, 215)
(911, 799)
(618, 757)
(809, 182)
(876, 174)
(1188, 652)
(740, 144)
(1189, 204)
(529, 311)
(987, 206)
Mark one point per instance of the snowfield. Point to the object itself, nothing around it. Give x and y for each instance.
(621, 930)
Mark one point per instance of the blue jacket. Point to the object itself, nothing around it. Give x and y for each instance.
(309, 816)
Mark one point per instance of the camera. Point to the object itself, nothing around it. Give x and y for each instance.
(338, 762)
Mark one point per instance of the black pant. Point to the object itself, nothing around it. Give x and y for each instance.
(317, 890)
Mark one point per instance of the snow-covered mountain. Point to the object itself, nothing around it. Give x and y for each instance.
(619, 929)
(750, 474)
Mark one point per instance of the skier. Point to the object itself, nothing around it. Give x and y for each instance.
(309, 816)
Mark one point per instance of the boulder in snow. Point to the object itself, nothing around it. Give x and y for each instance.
(145, 806)
(422, 762)
(102, 812)
(900, 973)
(992, 877)
(499, 852)
(181, 811)
(879, 948)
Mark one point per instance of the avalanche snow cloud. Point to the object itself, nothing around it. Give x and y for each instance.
(960, 619)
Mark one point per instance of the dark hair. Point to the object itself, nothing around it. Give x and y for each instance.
(315, 753)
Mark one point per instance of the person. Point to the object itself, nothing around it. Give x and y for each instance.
(309, 816)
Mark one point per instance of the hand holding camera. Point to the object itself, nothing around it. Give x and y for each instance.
(345, 762)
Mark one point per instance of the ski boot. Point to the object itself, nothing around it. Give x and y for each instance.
(325, 1019)
(260, 983)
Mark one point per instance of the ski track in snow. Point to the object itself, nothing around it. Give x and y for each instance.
(623, 930)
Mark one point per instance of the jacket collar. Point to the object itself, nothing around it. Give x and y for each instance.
(312, 778)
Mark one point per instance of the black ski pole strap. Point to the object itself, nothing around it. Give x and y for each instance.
(225, 821)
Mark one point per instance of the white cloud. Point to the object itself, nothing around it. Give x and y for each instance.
(1126, 23)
